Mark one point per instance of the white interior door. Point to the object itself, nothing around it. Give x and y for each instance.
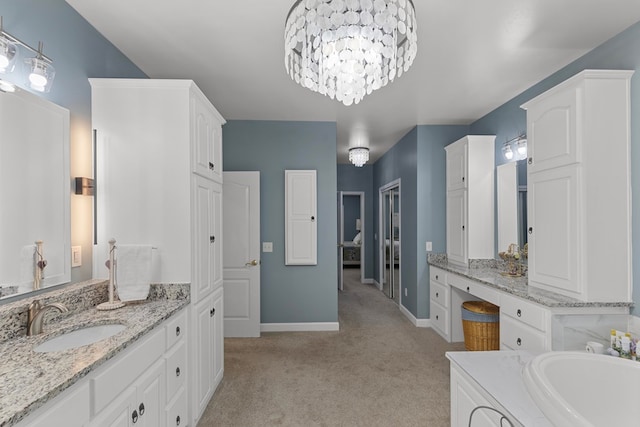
(241, 205)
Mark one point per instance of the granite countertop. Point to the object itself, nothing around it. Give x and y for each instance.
(499, 373)
(29, 379)
(487, 274)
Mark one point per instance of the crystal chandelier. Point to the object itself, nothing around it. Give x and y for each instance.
(346, 49)
(358, 156)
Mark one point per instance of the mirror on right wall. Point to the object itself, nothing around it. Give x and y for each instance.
(512, 204)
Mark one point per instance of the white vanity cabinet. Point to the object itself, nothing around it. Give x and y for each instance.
(578, 178)
(439, 301)
(135, 388)
(470, 199)
(159, 182)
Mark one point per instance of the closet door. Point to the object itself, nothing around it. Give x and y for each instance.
(301, 242)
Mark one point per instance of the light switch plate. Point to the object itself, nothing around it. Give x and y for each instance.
(76, 256)
(429, 246)
(267, 246)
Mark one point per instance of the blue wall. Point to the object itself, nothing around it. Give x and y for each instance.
(431, 202)
(78, 52)
(290, 294)
(351, 178)
(620, 52)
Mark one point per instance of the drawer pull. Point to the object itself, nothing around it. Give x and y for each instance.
(178, 420)
(519, 341)
(212, 239)
(468, 289)
(211, 166)
(437, 317)
(212, 312)
(519, 313)
(436, 277)
(134, 416)
(178, 371)
(177, 331)
(141, 409)
(437, 295)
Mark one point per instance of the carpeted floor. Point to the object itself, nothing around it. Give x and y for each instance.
(378, 370)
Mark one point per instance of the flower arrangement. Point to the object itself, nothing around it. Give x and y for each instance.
(512, 256)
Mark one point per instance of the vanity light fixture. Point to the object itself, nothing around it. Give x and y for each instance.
(358, 156)
(39, 69)
(519, 145)
(7, 87)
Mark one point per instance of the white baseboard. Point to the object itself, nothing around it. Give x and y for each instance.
(300, 327)
(369, 281)
(378, 285)
(420, 323)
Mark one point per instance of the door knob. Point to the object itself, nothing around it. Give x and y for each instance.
(253, 263)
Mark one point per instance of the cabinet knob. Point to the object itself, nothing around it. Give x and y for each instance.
(530, 160)
(177, 331)
(134, 416)
(437, 295)
(178, 371)
(211, 166)
(141, 409)
(463, 179)
(212, 312)
(437, 317)
(468, 289)
(178, 420)
(313, 218)
(519, 313)
(519, 341)
(212, 239)
(463, 227)
(437, 277)
(530, 230)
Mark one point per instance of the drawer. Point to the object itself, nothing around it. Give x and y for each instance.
(70, 409)
(437, 274)
(177, 410)
(524, 311)
(118, 375)
(439, 293)
(176, 328)
(176, 368)
(440, 318)
(515, 335)
(474, 288)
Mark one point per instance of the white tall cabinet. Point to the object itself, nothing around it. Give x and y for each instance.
(578, 187)
(470, 199)
(159, 182)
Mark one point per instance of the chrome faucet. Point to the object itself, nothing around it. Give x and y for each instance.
(36, 315)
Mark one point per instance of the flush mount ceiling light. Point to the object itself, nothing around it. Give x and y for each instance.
(39, 69)
(346, 49)
(358, 156)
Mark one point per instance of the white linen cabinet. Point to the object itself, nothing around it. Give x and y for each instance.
(578, 187)
(470, 199)
(159, 182)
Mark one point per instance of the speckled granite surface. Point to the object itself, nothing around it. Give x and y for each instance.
(29, 379)
(518, 286)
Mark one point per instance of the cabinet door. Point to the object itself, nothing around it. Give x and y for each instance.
(203, 338)
(218, 337)
(301, 247)
(120, 413)
(456, 229)
(552, 131)
(208, 237)
(553, 226)
(150, 392)
(207, 140)
(457, 165)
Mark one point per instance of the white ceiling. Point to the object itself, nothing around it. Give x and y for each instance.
(472, 57)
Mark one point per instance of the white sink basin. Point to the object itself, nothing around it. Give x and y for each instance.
(583, 389)
(79, 337)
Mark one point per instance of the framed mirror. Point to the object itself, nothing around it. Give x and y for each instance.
(34, 192)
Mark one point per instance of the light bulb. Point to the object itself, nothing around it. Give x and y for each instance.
(508, 153)
(522, 147)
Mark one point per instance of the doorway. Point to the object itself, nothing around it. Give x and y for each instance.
(390, 238)
(351, 235)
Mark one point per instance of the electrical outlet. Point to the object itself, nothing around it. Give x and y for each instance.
(76, 256)
(267, 246)
(405, 292)
(429, 246)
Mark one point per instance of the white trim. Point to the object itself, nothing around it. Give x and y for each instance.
(377, 285)
(419, 323)
(300, 327)
(370, 282)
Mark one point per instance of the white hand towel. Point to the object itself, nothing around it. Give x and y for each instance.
(133, 272)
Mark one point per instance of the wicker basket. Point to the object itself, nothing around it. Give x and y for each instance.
(481, 325)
